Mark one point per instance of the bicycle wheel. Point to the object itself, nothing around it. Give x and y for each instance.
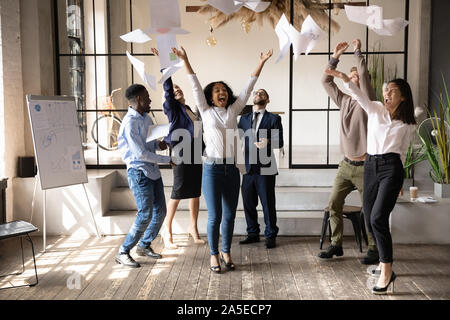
(108, 130)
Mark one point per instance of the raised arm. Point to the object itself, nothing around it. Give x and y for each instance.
(181, 54)
(199, 96)
(363, 71)
(170, 103)
(262, 60)
(328, 81)
(363, 100)
(239, 105)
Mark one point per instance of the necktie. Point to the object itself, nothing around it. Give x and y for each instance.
(255, 120)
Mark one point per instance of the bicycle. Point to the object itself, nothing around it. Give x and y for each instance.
(108, 120)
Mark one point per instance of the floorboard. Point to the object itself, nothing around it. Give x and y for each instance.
(73, 268)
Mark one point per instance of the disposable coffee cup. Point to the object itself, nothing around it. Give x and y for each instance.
(413, 192)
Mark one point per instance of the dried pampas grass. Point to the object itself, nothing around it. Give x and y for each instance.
(302, 8)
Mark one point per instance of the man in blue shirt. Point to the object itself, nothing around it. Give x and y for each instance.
(144, 176)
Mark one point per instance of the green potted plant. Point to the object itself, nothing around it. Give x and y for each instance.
(416, 153)
(434, 133)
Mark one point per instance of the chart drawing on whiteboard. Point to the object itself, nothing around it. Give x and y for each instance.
(57, 141)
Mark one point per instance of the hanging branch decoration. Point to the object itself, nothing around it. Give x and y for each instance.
(302, 8)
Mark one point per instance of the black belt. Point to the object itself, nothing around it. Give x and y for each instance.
(390, 155)
(354, 163)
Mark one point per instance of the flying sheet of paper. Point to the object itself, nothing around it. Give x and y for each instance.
(170, 71)
(226, 6)
(168, 60)
(372, 17)
(157, 131)
(139, 66)
(165, 17)
(282, 29)
(391, 27)
(165, 44)
(136, 36)
(254, 5)
(311, 33)
(164, 13)
(303, 41)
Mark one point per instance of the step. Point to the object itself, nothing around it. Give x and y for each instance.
(286, 177)
(287, 199)
(305, 223)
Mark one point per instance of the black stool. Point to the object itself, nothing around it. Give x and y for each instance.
(355, 215)
(19, 229)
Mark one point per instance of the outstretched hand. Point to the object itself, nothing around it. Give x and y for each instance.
(340, 49)
(337, 74)
(155, 51)
(181, 54)
(264, 57)
(356, 44)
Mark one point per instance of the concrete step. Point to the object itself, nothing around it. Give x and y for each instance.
(305, 223)
(286, 177)
(288, 199)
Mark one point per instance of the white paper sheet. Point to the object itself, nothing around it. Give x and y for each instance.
(391, 27)
(165, 44)
(254, 5)
(282, 29)
(170, 71)
(157, 131)
(303, 41)
(136, 36)
(372, 17)
(165, 17)
(165, 13)
(311, 34)
(226, 6)
(425, 200)
(139, 66)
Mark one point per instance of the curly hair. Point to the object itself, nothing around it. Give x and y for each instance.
(208, 93)
(133, 91)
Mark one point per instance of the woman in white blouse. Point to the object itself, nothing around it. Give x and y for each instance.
(219, 110)
(389, 131)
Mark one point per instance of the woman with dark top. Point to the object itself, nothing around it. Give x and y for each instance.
(219, 110)
(187, 174)
(388, 136)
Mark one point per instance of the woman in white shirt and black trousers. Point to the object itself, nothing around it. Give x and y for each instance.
(389, 130)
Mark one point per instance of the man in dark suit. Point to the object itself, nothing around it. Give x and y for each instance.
(263, 133)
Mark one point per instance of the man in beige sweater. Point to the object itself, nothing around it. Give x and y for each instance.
(353, 137)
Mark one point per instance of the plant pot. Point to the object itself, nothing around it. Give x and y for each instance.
(406, 184)
(442, 190)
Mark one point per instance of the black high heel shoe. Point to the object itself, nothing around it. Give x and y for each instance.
(229, 266)
(215, 269)
(379, 290)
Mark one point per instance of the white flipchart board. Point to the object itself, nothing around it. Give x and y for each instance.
(57, 141)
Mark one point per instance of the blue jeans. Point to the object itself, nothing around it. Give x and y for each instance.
(220, 183)
(151, 205)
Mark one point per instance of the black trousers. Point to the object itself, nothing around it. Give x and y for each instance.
(383, 180)
(254, 185)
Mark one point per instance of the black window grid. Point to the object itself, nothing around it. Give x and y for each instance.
(292, 165)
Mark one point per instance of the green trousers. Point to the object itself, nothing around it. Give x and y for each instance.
(348, 178)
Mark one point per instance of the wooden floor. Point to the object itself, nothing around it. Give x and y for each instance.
(85, 269)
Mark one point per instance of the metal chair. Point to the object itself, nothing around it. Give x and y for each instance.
(355, 215)
(19, 229)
